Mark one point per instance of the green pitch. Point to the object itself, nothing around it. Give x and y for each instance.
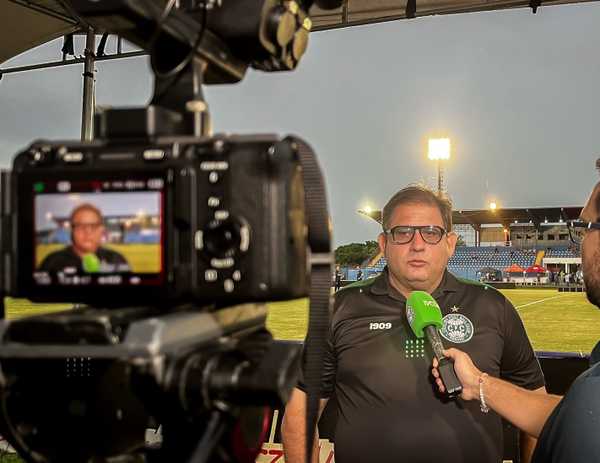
(143, 258)
(564, 322)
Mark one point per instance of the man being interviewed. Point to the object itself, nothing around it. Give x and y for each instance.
(86, 254)
(389, 409)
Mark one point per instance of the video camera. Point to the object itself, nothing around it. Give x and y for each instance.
(166, 221)
(173, 239)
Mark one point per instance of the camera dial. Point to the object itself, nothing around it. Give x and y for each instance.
(225, 238)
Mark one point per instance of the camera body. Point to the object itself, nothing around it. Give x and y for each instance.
(177, 220)
(173, 239)
(110, 374)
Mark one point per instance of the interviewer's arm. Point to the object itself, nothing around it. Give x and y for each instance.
(527, 410)
(293, 429)
(527, 443)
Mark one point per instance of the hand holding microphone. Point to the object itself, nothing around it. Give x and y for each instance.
(425, 318)
(468, 374)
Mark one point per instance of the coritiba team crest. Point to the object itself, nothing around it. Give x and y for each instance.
(457, 328)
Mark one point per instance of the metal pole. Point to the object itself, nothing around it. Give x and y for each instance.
(440, 177)
(87, 114)
(198, 106)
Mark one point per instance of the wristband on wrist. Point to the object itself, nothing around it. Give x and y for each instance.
(483, 406)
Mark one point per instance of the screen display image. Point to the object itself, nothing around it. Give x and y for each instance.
(98, 232)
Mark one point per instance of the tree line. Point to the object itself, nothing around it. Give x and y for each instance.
(356, 253)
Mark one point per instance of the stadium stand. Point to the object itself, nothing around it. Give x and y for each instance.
(468, 260)
(561, 251)
(142, 237)
(529, 236)
(539, 257)
(59, 236)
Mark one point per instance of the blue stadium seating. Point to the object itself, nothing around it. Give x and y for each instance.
(60, 236)
(467, 260)
(561, 251)
(63, 236)
(141, 237)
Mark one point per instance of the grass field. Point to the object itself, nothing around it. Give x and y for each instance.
(564, 322)
(143, 258)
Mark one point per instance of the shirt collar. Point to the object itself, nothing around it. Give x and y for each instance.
(382, 286)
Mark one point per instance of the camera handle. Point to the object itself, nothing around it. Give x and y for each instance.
(177, 107)
(5, 237)
(183, 93)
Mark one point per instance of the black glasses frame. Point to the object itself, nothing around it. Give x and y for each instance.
(580, 224)
(413, 229)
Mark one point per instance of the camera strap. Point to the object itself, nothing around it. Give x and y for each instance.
(5, 237)
(321, 267)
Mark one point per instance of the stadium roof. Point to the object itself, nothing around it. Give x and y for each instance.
(535, 216)
(25, 24)
(357, 12)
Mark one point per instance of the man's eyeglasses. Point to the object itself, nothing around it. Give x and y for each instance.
(92, 227)
(403, 234)
(578, 229)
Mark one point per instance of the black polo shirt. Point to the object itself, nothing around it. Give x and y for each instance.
(389, 409)
(67, 259)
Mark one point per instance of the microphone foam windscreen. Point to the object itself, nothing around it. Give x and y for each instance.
(422, 310)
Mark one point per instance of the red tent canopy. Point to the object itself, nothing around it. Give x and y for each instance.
(535, 269)
(514, 268)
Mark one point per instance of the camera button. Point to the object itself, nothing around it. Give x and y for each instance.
(221, 215)
(237, 275)
(211, 275)
(154, 155)
(228, 285)
(228, 262)
(213, 177)
(199, 240)
(244, 238)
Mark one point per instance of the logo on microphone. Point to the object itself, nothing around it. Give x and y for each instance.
(410, 314)
(457, 328)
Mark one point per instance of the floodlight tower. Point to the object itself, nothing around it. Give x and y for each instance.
(438, 149)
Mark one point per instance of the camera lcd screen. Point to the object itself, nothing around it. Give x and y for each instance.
(98, 232)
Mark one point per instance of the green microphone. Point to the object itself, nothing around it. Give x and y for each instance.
(90, 263)
(425, 319)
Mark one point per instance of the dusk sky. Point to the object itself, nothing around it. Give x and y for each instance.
(518, 94)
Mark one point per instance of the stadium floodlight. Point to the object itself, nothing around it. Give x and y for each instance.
(438, 150)
(493, 206)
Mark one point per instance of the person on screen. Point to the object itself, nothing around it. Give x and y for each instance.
(86, 254)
